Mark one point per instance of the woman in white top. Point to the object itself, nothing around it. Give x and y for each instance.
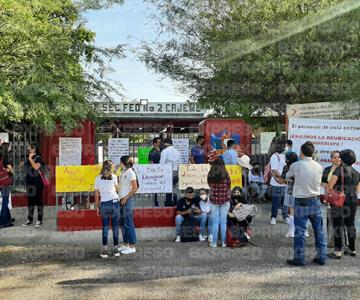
(205, 207)
(128, 188)
(107, 205)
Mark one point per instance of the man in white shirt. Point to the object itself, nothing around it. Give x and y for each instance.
(278, 162)
(170, 155)
(307, 175)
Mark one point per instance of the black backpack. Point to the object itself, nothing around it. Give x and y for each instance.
(189, 230)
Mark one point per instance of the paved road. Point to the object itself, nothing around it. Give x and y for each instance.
(41, 268)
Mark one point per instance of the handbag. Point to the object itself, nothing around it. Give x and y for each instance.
(243, 211)
(334, 197)
(45, 176)
(5, 178)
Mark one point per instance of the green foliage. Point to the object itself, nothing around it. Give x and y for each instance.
(43, 48)
(248, 58)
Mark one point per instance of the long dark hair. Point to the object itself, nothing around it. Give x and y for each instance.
(106, 170)
(36, 147)
(218, 172)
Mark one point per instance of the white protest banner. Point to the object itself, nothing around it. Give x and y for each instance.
(265, 141)
(117, 148)
(327, 136)
(182, 145)
(154, 178)
(194, 176)
(70, 151)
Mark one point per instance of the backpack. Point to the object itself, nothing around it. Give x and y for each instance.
(267, 170)
(5, 178)
(235, 237)
(189, 230)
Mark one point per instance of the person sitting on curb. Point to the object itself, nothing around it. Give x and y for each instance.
(205, 206)
(187, 207)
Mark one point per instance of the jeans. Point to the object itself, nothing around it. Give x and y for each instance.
(34, 193)
(205, 218)
(5, 216)
(110, 210)
(127, 222)
(277, 196)
(344, 216)
(257, 189)
(304, 210)
(201, 219)
(219, 216)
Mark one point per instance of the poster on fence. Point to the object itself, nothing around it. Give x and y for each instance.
(327, 136)
(182, 145)
(143, 155)
(196, 176)
(154, 178)
(117, 148)
(70, 151)
(76, 178)
(235, 173)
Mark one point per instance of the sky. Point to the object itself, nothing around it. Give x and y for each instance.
(128, 24)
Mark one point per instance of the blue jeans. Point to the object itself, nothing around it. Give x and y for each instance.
(219, 216)
(5, 216)
(200, 220)
(304, 210)
(205, 218)
(277, 196)
(110, 210)
(127, 222)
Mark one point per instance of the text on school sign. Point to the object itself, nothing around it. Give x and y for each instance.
(150, 108)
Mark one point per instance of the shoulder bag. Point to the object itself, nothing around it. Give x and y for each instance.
(334, 197)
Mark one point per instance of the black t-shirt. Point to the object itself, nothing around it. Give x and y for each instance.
(154, 155)
(183, 206)
(325, 174)
(32, 175)
(351, 180)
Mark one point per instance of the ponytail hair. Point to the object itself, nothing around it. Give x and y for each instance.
(106, 170)
(127, 161)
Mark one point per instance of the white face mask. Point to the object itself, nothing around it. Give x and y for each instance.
(203, 197)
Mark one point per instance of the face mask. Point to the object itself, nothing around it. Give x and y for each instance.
(237, 197)
(286, 149)
(203, 197)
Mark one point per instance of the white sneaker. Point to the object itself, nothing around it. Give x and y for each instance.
(38, 224)
(212, 245)
(178, 239)
(273, 221)
(27, 223)
(202, 238)
(128, 251)
(122, 247)
(210, 238)
(290, 235)
(223, 245)
(306, 234)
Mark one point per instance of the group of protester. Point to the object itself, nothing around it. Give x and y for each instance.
(295, 185)
(34, 185)
(297, 182)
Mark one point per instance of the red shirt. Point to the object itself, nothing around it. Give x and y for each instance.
(220, 192)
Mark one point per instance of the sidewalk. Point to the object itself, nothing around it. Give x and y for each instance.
(44, 264)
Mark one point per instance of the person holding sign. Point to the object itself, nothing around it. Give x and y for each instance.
(128, 187)
(107, 205)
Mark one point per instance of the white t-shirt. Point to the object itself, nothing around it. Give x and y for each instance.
(125, 179)
(277, 162)
(170, 155)
(205, 206)
(106, 188)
